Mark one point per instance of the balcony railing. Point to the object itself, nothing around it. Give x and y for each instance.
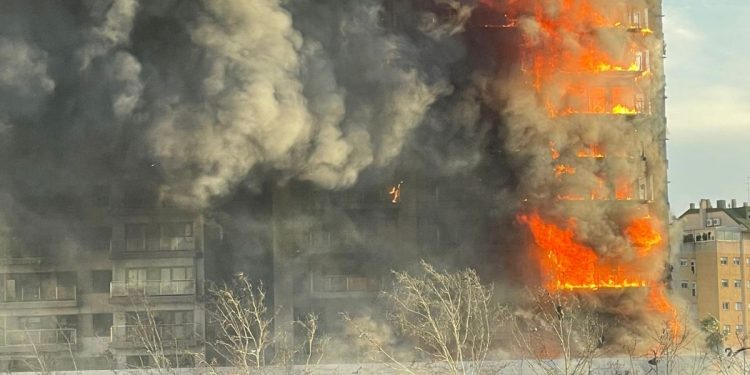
(160, 244)
(152, 288)
(343, 283)
(18, 260)
(38, 294)
(29, 337)
(159, 334)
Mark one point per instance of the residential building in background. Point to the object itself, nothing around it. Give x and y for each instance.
(712, 269)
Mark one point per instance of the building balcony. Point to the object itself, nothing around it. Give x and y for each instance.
(152, 336)
(343, 286)
(169, 247)
(36, 297)
(22, 261)
(151, 288)
(38, 340)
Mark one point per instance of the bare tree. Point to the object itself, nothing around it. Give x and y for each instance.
(242, 321)
(450, 317)
(314, 345)
(558, 332)
(165, 344)
(447, 317)
(668, 340)
(43, 361)
(377, 345)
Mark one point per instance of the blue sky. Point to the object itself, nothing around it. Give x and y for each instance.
(708, 100)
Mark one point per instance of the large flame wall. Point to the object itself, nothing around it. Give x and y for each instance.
(587, 117)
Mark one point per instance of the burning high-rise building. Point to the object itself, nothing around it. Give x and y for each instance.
(328, 142)
(587, 118)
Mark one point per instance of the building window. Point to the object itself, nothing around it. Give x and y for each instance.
(724, 260)
(155, 237)
(748, 261)
(738, 283)
(738, 306)
(177, 236)
(100, 281)
(102, 324)
(684, 285)
(725, 306)
(684, 262)
(725, 283)
(726, 328)
(727, 236)
(740, 328)
(135, 237)
(736, 261)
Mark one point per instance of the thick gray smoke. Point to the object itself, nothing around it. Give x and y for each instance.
(219, 94)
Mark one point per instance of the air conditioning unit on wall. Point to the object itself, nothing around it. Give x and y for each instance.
(709, 223)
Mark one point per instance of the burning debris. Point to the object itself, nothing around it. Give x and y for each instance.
(395, 193)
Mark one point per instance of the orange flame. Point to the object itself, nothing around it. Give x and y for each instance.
(569, 265)
(643, 235)
(593, 151)
(623, 110)
(623, 190)
(570, 197)
(565, 44)
(553, 151)
(562, 169)
(658, 301)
